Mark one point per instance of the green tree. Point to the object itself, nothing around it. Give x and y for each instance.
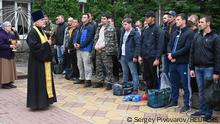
(134, 8)
(53, 8)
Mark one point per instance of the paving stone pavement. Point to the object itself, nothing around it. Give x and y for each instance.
(78, 105)
(13, 111)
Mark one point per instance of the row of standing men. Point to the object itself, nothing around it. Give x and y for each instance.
(180, 47)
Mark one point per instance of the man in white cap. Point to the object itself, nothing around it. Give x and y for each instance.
(40, 89)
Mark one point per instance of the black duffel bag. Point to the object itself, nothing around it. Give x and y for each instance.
(122, 89)
(212, 92)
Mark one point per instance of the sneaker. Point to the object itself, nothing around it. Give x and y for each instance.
(144, 97)
(196, 114)
(172, 104)
(185, 108)
(135, 92)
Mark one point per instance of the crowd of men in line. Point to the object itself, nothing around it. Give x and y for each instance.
(185, 48)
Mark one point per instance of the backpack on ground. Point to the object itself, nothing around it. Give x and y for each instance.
(121, 90)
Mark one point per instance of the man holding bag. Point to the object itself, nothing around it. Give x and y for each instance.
(205, 63)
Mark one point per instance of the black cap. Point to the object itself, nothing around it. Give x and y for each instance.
(37, 15)
(150, 14)
(172, 13)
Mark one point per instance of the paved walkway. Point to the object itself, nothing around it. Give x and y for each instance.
(78, 105)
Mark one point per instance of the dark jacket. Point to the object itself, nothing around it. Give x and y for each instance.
(183, 47)
(84, 36)
(164, 27)
(205, 51)
(5, 50)
(132, 46)
(152, 42)
(60, 33)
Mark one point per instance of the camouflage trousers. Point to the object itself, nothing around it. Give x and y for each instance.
(104, 68)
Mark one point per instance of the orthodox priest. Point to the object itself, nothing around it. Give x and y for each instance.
(40, 88)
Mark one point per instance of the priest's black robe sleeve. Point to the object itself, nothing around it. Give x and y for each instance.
(39, 51)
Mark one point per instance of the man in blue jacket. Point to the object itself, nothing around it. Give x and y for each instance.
(129, 50)
(83, 42)
(178, 54)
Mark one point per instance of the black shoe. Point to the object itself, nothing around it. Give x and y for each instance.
(185, 108)
(108, 86)
(97, 85)
(88, 83)
(11, 85)
(172, 104)
(197, 114)
(5, 86)
(79, 82)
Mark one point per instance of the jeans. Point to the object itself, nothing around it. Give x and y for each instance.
(59, 54)
(203, 74)
(179, 74)
(126, 65)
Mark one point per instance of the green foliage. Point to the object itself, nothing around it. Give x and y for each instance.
(54, 8)
(134, 8)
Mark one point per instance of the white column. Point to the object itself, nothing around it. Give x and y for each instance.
(1, 12)
(16, 17)
(29, 16)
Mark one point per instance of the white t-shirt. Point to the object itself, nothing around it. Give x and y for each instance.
(101, 41)
(125, 37)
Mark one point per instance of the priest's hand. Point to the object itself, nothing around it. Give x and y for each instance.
(13, 46)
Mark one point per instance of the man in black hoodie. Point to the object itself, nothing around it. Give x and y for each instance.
(152, 43)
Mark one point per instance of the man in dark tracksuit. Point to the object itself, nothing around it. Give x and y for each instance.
(205, 63)
(152, 43)
(178, 54)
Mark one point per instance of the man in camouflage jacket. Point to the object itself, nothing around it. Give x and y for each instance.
(105, 45)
